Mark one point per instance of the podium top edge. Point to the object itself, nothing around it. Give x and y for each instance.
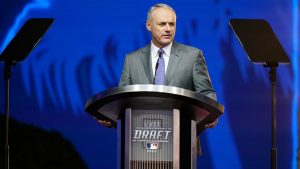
(149, 90)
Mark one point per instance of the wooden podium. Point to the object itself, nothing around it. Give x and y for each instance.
(157, 125)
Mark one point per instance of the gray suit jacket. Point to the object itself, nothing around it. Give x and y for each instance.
(186, 69)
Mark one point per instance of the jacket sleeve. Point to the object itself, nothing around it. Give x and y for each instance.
(125, 77)
(201, 78)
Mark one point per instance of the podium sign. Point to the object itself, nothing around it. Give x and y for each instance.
(151, 141)
(157, 125)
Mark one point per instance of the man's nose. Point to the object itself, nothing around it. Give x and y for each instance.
(168, 28)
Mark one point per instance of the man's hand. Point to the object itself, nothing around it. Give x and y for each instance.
(211, 125)
(105, 123)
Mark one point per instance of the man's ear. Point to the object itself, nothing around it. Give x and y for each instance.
(148, 26)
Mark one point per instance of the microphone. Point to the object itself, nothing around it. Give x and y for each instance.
(156, 66)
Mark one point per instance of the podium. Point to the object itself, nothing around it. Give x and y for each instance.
(157, 125)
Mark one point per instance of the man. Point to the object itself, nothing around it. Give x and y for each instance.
(166, 62)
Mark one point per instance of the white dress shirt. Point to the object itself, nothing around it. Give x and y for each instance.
(154, 56)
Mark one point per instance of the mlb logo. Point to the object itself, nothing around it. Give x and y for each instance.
(151, 146)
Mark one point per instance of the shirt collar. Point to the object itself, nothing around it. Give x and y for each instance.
(167, 49)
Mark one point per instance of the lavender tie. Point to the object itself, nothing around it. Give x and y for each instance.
(160, 69)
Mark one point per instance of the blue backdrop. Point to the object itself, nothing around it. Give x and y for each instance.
(83, 53)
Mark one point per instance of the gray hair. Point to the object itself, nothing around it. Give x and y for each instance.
(160, 5)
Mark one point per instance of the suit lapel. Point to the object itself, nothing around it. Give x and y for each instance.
(146, 60)
(173, 61)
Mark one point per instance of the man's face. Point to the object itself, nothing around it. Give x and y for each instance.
(162, 25)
